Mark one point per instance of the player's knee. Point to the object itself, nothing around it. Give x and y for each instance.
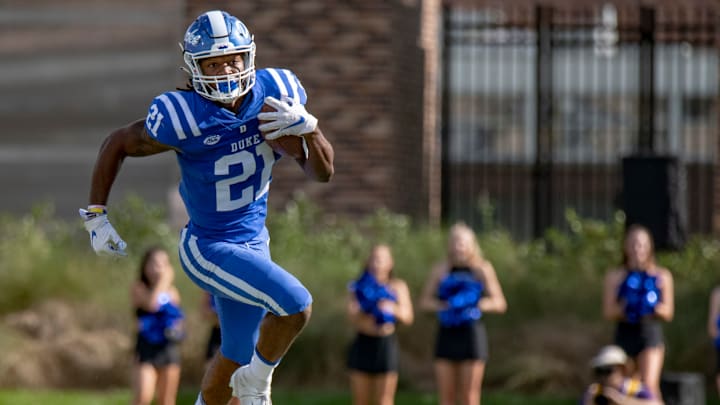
(296, 321)
(305, 314)
(300, 319)
(297, 300)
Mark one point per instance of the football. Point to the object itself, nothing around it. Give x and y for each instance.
(288, 145)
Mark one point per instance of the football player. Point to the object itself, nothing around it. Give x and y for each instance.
(226, 170)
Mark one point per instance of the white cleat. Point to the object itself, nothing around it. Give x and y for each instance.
(250, 390)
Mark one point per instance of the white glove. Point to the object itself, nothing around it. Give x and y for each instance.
(289, 119)
(103, 237)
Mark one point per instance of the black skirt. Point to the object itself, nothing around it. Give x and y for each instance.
(159, 355)
(373, 354)
(463, 342)
(636, 337)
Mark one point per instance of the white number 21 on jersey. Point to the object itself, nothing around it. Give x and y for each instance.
(154, 119)
(249, 166)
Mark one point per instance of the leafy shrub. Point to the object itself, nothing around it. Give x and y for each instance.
(553, 287)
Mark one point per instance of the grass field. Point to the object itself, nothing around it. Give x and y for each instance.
(187, 397)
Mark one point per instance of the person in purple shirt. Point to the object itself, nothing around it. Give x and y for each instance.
(611, 385)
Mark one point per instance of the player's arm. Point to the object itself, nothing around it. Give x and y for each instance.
(291, 118)
(131, 140)
(319, 163)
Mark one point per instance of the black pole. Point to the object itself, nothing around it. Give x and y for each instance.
(445, 172)
(646, 109)
(542, 171)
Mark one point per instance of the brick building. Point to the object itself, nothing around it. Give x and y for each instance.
(371, 72)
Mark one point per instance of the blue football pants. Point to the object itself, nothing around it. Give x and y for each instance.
(246, 284)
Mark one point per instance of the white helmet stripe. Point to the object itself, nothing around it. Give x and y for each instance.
(217, 25)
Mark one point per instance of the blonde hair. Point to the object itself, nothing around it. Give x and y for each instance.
(476, 253)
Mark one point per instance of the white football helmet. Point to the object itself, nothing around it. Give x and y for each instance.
(216, 33)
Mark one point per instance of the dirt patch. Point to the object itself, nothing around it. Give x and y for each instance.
(57, 344)
(50, 349)
(548, 356)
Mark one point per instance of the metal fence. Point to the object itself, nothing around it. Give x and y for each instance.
(541, 104)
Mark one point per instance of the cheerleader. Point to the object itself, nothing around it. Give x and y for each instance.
(459, 291)
(159, 330)
(377, 302)
(639, 297)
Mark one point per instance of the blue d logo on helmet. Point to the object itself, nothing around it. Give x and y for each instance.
(217, 33)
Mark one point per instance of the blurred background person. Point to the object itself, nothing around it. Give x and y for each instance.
(611, 384)
(377, 302)
(459, 290)
(713, 326)
(159, 330)
(639, 295)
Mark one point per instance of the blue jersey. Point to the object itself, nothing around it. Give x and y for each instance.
(225, 164)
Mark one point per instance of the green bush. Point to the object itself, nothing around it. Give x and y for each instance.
(553, 287)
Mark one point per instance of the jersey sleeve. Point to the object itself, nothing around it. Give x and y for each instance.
(170, 119)
(283, 84)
